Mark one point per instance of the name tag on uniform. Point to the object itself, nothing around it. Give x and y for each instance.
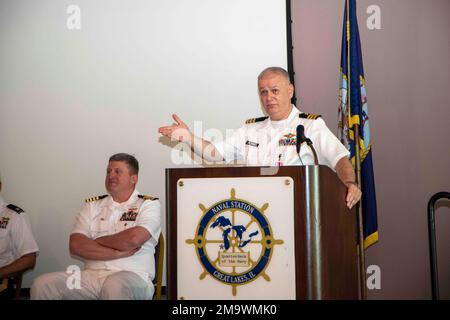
(251, 143)
(130, 215)
(288, 140)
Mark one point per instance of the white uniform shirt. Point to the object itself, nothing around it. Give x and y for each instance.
(272, 143)
(106, 217)
(16, 237)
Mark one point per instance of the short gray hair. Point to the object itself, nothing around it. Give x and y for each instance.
(274, 70)
(132, 163)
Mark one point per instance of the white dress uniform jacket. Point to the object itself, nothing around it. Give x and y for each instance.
(16, 237)
(106, 217)
(263, 142)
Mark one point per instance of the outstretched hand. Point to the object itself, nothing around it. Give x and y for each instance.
(178, 131)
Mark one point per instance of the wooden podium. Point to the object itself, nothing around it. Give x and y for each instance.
(325, 229)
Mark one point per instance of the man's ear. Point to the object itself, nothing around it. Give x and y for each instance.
(291, 90)
(134, 179)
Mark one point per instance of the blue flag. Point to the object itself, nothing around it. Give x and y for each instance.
(353, 110)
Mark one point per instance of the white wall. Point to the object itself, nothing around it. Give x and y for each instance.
(71, 98)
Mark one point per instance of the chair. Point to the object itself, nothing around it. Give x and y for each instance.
(432, 242)
(3, 285)
(159, 267)
(12, 284)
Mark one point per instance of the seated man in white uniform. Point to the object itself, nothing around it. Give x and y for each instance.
(271, 140)
(18, 248)
(115, 235)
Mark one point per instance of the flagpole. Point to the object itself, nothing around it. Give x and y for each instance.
(361, 253)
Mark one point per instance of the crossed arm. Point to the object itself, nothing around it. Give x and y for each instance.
(120, 245)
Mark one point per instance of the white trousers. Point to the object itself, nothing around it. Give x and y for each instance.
(93, 285)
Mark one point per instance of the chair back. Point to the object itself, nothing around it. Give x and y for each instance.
(159, 267)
